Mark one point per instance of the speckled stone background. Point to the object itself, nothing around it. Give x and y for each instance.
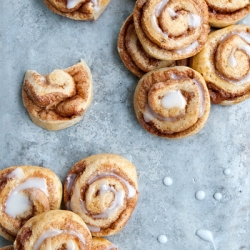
(32, 37)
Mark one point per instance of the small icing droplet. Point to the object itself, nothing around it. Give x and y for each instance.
(200, 195)
(162, 239)
(227, 171)
(218, 196)
(173, 99)
(206, 235)
(168, 181)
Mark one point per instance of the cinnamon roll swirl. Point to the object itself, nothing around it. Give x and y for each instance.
(55, 229)
(102, 244)
(171, 30)
(59, 99)
(78, 9)
(224, 64)
(102, 189)
(172, 102)
(223, 13)
(26, 191)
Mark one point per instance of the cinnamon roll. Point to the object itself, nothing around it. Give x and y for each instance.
(59, 99)
(172, 102)
(224, 64)
(78, 9)
(102, 189)
(55, 229)
(24, 192)
(102, 244)
(224, 13)
(171, 30)
(7, 248)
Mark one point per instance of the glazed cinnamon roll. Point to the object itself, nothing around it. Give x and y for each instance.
(171, 30)
(224, 64)
(172, 102)
(102, 244)
(26, 191)
(55, 229)
(223, 13)
(102, 189)
(78, 9)
(59, 99)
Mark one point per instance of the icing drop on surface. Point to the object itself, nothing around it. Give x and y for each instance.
(53, 233)
(218, 196)
(187, 49)
(72, 3)
(160, 6)
(227, 171)
(162, 239)
(173, 99)
(18, 203)
(17, 173)
(200, 195)
(194, 21)
(206, 235)
(93, 229)
(167, 181)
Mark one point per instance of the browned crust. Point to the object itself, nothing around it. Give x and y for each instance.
(7, 248)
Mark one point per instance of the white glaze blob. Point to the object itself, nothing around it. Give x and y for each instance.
(173, 99)
(187, 49)
(194, 21)
(72, 3)
(93, 229)
(17, 203)
(167, 181)
(227, 171)
(162, 239)
(171, 12)
(231, 59)
(71, 245)
(200, 195)
(53, 233)
(217, 196)
(17, 174)
(206, 235)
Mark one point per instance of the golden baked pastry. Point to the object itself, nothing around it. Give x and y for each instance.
(78, 9)
(102, 244)
(172, 102)
(109, 192)
(55, 229)
(224, 64)
(171, 30)
(24, 192)
(223, 13)
(7, 248)
(59, 99)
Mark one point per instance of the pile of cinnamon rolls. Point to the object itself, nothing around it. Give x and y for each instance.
(100, 194)
(183, 66)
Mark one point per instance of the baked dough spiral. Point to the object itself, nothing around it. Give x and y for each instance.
(78, 9)
(55, 229)
(224, 64)
(171, 30)
(134, 57)
(102, 189)
(24, 192)
(172, 102)
(102, 244)
(58, 100)
(223, 13)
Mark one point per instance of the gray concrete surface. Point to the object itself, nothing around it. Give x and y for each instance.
(32, 37)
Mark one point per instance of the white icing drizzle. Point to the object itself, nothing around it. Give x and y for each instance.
(70, 181)
(110, 247)
(72, 3)
(171, 12)
(131, 189)
(159, 7)
(17, 174)
(206, 235)
(231, 59)
(71, 245)
(18, 203)
(53, 233)
(93, 229)
(173, 99)
(187, 49)
(201, 95)
(194, 21)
